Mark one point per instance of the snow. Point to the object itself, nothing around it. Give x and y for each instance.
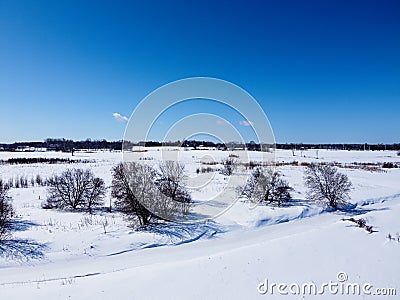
(66, 255)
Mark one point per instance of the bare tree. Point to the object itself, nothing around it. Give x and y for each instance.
(131, 187)
(327, 185)
(267, 186)
(75, 189)
(169, 182)
(146, 196)
(6, 212)
(95, 194)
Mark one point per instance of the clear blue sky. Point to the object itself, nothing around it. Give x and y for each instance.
(323, 71)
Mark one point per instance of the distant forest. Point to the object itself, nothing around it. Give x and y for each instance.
(66, 145)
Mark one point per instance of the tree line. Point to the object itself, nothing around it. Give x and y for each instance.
(67, 145)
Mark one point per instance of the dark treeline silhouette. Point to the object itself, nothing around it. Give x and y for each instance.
(66, 145)
(372, 147)
(42, 160)
(63, 145)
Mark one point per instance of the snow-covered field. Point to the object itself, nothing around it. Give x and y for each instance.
(66, 255)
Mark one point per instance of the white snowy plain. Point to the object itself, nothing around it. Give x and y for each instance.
(67, 255)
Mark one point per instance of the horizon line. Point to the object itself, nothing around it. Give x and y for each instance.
(181, 141)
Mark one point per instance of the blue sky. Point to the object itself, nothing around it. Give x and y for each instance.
(323, 71)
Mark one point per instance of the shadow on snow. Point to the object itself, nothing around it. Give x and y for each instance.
(22, 249)
(22, 225)
(175, 234)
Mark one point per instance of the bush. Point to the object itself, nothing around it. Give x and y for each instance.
(39, 180)
(363, 224)
(327, 185)
(6, 212)
(207, 170)
(75, 189)
(267, 186)
(389, 165)
(228, 166)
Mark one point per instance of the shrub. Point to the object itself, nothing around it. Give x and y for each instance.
(228, 167)
(207, 170)
(389, 165)
(267, 186)
(252, 164)
(362, 224)
(327, 185)
(10, 183)
(75, 189)
(39, 180)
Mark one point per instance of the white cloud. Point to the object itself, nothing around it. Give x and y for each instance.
(246, 123)
(120, 117)
(222, 122)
